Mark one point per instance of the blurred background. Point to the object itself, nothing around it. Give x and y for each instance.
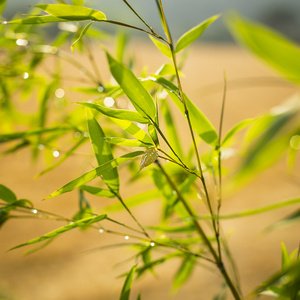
(281, 15)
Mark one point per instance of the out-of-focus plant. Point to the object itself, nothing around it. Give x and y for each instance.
(180, 178)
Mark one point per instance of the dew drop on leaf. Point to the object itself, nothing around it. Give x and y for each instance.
(101, 230)
(149, 157)
(126, 237)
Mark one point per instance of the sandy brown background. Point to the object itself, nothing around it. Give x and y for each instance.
(64, 271)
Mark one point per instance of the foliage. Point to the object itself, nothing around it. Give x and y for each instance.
(178, 176)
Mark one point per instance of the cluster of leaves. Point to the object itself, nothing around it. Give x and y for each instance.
(179, 177)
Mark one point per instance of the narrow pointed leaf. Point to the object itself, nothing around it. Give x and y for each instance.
(56, 232)
(72, 12)
(275, 49)
(126, 142)
(6, 194)
(132, 87)
(148, 158)
(121, 114)
(102, 151)
(82, 33)
(134, 130)
(183, 273)
(127, 284)
(37, 20)
(193, 34)
(153, 134)
(163, 48)
(96, 191)
(99, 171)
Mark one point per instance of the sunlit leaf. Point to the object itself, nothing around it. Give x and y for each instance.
(2, 5)
(37, 20)
(153, 134)
(193, 34)
(56, 232)
(132, 87)
(127, 284)
(102, 151)
(6, 194)
(162, 47)
(126, 142)
(117, 113)
(96, 191)
(272, 47)
(99, 171)
(82, 33)
(134, 130)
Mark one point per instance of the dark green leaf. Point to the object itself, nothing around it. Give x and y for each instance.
(117, 113)
(272, 47)
(102, 152)
(127, 284)
(6, 194)
(193, 34)
(132, 87)
(99, 171)
(56, 232)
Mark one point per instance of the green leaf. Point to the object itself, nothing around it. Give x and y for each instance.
(122, 42)
(184, 272)
(134, 130)
(37, 20)
(126, 142)
(285, 258)
(6, 194)
(96, 191)
(72, 12)
(153, 134)
(99, 171)
(127, 284)
(82, 33)
(2, 5)
(193, 34)
(132, 87)
(121, 114)
(162, 47)
(102, 152)
(272, 47)
(238, 127)
(148, 158)
(56, 232)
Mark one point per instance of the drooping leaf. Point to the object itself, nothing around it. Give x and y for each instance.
(82, 33)
(56, 232)
(96, 191)
(72, 12)
(127, 284)
(153, 134)
(148, 158)
(275, 49)
(121, 114)
(162, 47)
(184, 272)
(99, 171)
(134, 130)
(132, 87)
(102, 151)
(193, 34)
(7, 194)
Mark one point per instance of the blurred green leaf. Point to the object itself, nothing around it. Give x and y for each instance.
(153, 134)
(184, 272)
(272, 47)
(56, 232)
(127, 284)
(37, 20)
(82, 33)
(102, 152)
(117, 113)
(122, 42)
(134, 130)
(162, 47)
(2, 5)
(126, 142)
(6, 194)
(193, 34)
(99, 171)
(132, 87)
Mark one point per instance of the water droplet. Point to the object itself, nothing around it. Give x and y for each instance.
(70, 223)
(126, 237)
(152, 244)
(167, 160)
(109, 101)
(295, 142)
(199, 196)
(26, 75)
(185, 115)
(59, 93)
(56, 153)
(77, 135)
(41, 147)
(4, 22)
(86, 134)
(174, 192)
(21, 42)
(100, 89)
(34, 211)
(101, 230)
